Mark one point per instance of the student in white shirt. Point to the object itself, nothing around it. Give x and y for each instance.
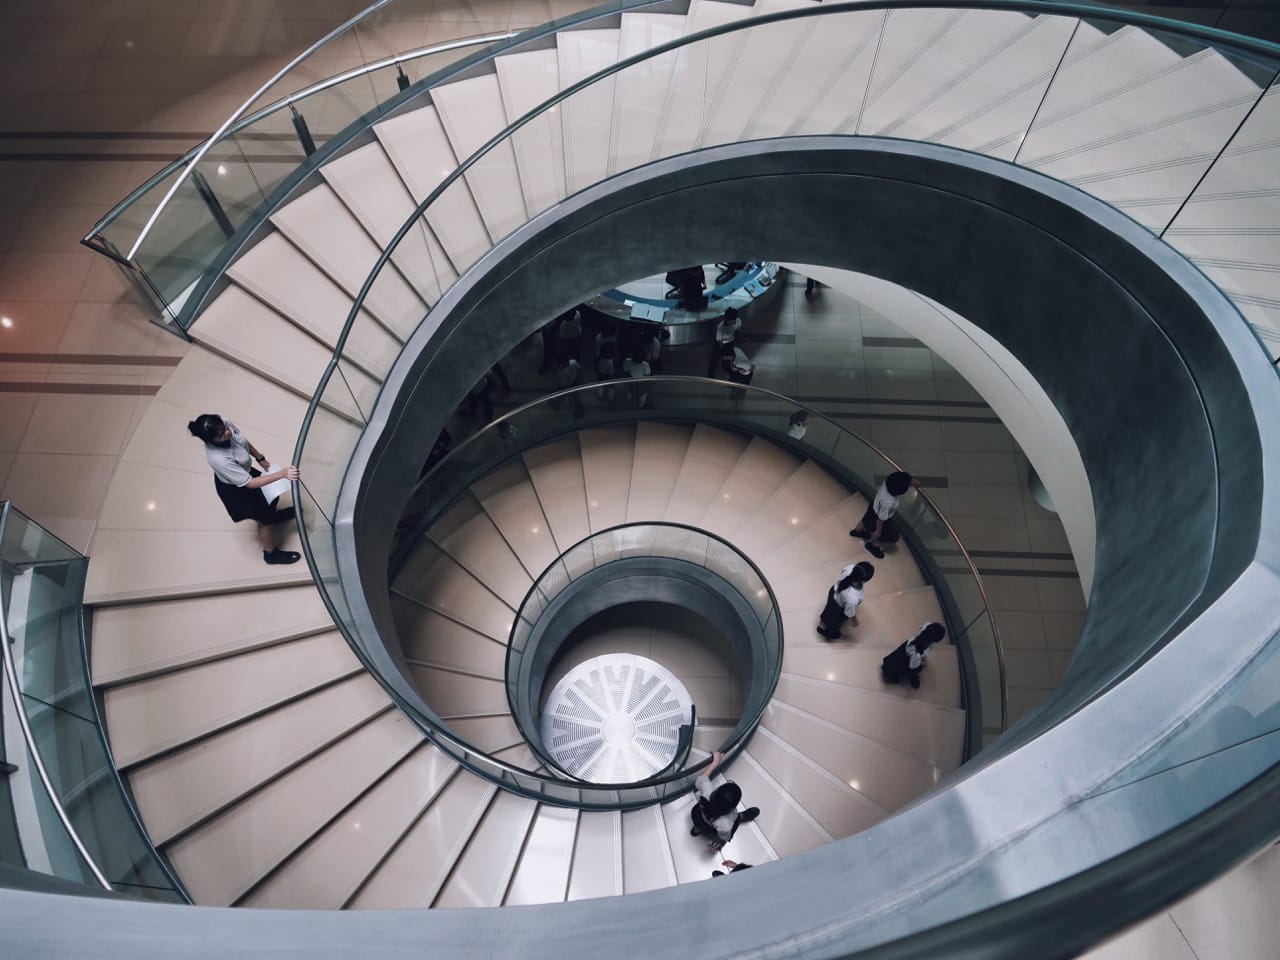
(798, 425)
(906, 662)
(877, 526)
(715, 812)
(844, 598)
(726, 332)
(239, 484)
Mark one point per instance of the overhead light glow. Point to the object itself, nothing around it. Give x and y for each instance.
(222, 169)
(6, 322)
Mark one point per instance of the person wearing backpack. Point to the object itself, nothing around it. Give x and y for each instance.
(715, 812)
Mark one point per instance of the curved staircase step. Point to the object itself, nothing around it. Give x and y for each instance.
(326, 873)
(430, 637)
(511, 501)
(453, 591)
(138, 641)
(226, 857)
(711, 455)
(659, 453)
(931, 732)
(597, 856)
(607, 456)
(542, 875)
(526, 80)
(555, 470)
(759, 472)
(884, 776)
(181, 789)
(853, 666)
(148, 717)
(646, 856)
(468, 534)
(417, 867)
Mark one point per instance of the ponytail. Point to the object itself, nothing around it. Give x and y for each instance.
(206, 427)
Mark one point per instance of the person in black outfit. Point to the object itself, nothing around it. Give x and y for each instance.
(714, 812)
(906, 662)
(732, 866)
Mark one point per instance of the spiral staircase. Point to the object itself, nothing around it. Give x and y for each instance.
(269, 767)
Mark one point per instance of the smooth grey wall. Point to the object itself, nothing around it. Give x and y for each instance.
(1124, 338)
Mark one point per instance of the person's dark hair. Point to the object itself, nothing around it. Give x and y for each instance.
(860, 574)
(206, 427)
(897, 483)
(731, 314)
(799, 417)
(931, 634)
(724, 800)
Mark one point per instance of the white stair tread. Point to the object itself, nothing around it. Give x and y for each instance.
(471, 112)
(837, 807)
(414, 871)
(250, 333)
(277, 273)
(458, 694)
(419, 148)
(555, 470)
(433, 638)
(369, 185)
(607, 454)
(510, 500)
(762, 469)
(646, 861)
(641, 89)
(542, 875)
(153, 715)
(846, 664)
(782, 821)
(712, 454)
(586, 117)
(884, 620)
(480, 876)
(329, 869)
(225, 857)
(808, 494)
(320, 225)
(527, 80)
(491, 734)
(933, 733)
(135, 641)
(468, 534)
(597, 856)
(449, 589)
(176, 791)
(887, 778)
(659, 453)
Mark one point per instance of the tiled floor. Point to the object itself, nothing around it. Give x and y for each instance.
(97, 94)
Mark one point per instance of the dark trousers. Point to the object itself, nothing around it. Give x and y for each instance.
(832, 615)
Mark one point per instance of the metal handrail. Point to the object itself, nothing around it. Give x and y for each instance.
(190, 158)
(239, 112)
(33, 750)
(730, 744)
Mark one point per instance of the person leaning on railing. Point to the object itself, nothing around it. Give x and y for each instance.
(239, 483)
(715, 812)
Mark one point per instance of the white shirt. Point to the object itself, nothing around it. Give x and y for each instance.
(915, 658)
(850, 597)
(231, 463)
(726, 331)
(567, 375)
(723, 825)
(885, 503)
(633, 369)
(797, 431)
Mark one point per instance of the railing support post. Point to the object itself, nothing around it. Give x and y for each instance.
(303, 131)
(212, 202)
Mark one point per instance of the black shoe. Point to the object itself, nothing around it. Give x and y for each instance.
(915, 682)
(875, 551)
(284, 516)
(281, 556)
(860, 534)
(748, 814)
(826, 635)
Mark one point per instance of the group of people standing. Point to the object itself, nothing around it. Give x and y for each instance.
(877, 527)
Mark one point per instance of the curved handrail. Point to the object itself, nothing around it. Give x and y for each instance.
(511, 415)
(746, 725)
(192, 156)
(240, 111)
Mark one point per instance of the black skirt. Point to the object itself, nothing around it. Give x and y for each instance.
(832, 615)
(245, 504)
